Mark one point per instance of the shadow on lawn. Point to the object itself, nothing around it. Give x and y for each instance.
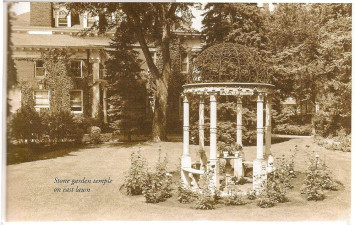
(24, 153)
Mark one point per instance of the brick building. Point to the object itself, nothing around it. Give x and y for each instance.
(51, 26)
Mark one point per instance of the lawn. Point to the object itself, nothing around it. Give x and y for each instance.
(31, 196)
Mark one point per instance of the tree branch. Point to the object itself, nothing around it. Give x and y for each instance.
(135, 22)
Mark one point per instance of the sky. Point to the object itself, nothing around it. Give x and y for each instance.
(23, 7)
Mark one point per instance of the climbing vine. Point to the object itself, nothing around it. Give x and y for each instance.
(57, 80)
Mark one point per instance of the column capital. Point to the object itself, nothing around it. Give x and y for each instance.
(186, 98)
(260, 97)
(214, 93)
(239, 99)
(202, 99)
(212, 96)
(94, 60)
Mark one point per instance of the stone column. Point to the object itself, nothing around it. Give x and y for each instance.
(268, 127)
(201, 128)
(259, 164)
(69, 19)
(105, 104)
(259, 127)
(85, 20)
(201, 123)
(186, 158)
(239, 121)
(213, 141)
(95, 87)
(213, 127)
(56, 21)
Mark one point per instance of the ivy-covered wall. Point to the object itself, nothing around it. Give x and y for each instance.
(58, 86)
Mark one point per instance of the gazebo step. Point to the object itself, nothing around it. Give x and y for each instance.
(194, 171)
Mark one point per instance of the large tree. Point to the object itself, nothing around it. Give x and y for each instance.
(148, 23)
(11, 68)
(242, 23)
(308, 47)
(311, 44)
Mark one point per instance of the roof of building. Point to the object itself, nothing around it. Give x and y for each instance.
(24, 35)
(21, 20)
(25, 39)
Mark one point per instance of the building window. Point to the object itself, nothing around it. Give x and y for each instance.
(39, 69)
(62, 18)
(184, 63)
(77, 68)
(41, 99)
(76, 101)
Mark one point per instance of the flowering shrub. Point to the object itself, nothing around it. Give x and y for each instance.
(276, 187)
(157, 187)
(234, 199)
(137, 175)
(273, 189)
(186, 195)
(206, 199)
(265, 201)
(317, 180)
(251, 195)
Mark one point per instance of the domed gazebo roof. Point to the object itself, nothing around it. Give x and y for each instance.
(229, 62)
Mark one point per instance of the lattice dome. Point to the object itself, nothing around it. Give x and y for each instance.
(229, 62)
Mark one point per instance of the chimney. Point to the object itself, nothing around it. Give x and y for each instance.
(41, 14)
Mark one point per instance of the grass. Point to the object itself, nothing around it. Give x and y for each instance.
(30, 187)
(23, 153)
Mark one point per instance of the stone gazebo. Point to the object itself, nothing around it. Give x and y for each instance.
(228, 70)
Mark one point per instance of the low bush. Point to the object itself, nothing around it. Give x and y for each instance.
(26, 125)
(59, 125)
(95, 133)
(157, 187)
(290, 129)
(340, 142)
(137, 175)
(317, 180)
(29, 126)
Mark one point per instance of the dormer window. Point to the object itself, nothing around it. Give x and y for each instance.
(62, 18)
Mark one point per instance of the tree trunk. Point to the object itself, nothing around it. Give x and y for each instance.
(159, 119)
(162, 85)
